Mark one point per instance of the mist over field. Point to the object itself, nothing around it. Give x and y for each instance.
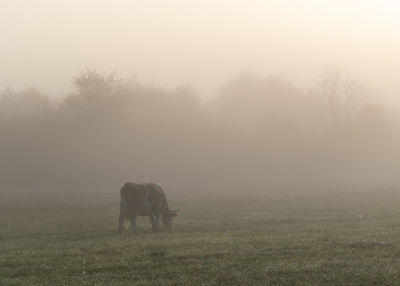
(211, 97)
(260, 140)
(260, 134)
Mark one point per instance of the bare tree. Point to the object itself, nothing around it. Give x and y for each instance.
(342, 91)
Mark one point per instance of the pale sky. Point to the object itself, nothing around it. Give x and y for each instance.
(44, 43)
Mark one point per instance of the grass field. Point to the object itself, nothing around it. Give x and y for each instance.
(335, 239)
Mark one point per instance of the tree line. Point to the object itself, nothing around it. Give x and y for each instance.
(258, 134)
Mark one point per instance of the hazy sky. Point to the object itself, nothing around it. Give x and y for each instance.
(44, 43)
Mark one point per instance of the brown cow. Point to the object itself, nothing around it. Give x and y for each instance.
(144, 200)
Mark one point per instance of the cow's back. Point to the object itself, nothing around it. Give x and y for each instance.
(140, 199)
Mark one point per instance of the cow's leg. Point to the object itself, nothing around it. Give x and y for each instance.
(120, 224)
(134, 224)
(153, 223)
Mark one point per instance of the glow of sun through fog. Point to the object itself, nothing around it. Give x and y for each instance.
(198, 43)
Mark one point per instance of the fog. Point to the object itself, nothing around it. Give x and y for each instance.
(199, 96)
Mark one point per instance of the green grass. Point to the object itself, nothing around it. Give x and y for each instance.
(291, 240)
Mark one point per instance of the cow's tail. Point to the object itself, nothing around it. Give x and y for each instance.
(124, 203)
(123, 209)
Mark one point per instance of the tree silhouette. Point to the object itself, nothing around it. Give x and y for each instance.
(342, 91)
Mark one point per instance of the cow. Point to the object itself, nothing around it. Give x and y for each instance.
(144, 200)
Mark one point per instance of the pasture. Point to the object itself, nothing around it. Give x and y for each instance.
(326, 239)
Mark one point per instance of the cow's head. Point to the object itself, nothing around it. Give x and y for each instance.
(168, 217)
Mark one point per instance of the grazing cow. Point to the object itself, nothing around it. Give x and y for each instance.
(144, 200)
